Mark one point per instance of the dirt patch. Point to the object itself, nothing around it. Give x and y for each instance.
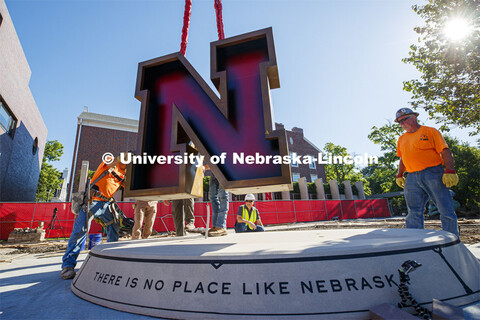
(469, 228)
(48, 247)
(10, 250)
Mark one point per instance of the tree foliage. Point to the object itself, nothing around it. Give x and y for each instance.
(467, 165)
(381, 176)
(206, 183)
(387, 137)
(49, 180)
(449, 87)
(342, 171)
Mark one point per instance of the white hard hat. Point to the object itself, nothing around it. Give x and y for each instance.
(249, 197)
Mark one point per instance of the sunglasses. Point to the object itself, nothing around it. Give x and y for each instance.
(248, 200)
(404, 119)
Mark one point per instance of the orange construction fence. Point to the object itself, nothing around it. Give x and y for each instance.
(22, 215)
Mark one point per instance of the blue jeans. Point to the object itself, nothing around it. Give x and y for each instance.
(219, 199)
(425, 184)
(99, 209)
(242, 227)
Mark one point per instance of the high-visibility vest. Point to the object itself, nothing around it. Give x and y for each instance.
(252, 218)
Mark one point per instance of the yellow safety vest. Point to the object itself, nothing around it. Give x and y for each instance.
(253, 216)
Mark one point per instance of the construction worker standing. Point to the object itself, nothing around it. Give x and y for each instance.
(144, 211)
(422, 151)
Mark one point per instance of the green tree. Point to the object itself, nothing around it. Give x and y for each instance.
(467, 165)
(387, 137)
(449, 87)
(49, 180)
(342, 171)
(206, 183)
(381, 176)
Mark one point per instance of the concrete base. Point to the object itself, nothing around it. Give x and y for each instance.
(294, 274)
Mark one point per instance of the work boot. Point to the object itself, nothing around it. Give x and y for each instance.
(218, 232)
(209, 230)
(68, 273)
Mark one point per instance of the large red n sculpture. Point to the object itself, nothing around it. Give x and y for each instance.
(178, 107)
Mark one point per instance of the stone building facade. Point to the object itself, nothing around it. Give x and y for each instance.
(23, 133)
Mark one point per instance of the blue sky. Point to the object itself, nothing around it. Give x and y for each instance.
(339, 61)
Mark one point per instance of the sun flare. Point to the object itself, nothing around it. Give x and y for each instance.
(457, 29)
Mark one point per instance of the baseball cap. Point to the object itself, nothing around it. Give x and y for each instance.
(403, 112)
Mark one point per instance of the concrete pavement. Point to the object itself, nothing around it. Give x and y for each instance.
(31, 288)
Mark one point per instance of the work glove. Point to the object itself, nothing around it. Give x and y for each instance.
(401, 180)
(450, 178)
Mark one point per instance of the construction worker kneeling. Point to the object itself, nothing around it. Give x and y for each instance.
(248, 217)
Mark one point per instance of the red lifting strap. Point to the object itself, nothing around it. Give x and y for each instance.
(186, 23)
(218, 11)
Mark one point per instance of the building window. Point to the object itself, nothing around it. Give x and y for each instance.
(292, 156)
(295, 177)
(35, 146)
(291, 140)
(313, 177)
(8, 122)
(312, 165)
(1, 19)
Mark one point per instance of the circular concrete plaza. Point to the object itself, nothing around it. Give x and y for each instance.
(295, 274)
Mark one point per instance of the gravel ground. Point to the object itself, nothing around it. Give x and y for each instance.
(469, 228)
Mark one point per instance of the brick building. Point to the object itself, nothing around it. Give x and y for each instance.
(96, 135)
(299, 145)
(23, 133)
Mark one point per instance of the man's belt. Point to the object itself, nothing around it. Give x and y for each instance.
(113, 207)
(98, 194)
